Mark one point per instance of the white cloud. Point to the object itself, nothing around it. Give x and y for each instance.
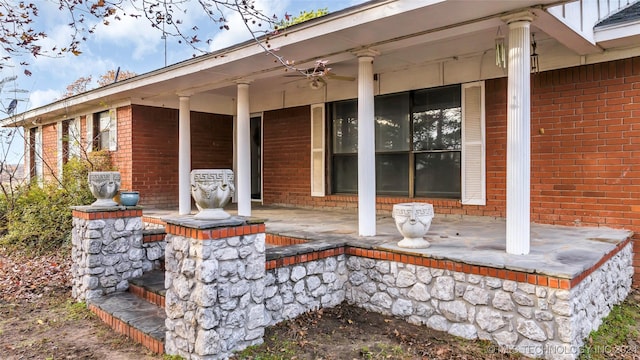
(133, 35)
(238, 31)
(42, 97)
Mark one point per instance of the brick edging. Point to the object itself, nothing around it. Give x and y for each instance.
(147, 238)
(127, 330)
(280, 240)
(215, 233)
(147, 295)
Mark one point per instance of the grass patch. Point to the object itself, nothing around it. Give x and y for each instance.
(617, 336)
(280, 350)
(383, 351)
(76, 310)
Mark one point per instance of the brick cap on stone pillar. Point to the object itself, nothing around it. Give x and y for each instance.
(213, 229)
(92, 209)
(88, 212)
(193, 223)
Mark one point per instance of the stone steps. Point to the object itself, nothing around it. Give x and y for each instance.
(139, 313)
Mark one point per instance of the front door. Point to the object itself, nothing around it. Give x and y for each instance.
(256, 157)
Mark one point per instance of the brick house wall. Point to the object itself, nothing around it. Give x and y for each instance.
(121, 158)
(154, 150)
(50, 151)
(286, 156)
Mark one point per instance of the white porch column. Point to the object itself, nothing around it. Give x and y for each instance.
(519, 134)
(243, 149)
(184, 156)
(366, 146)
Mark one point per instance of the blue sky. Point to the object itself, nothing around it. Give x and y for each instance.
(130, 44)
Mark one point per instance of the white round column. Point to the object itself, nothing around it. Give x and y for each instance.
(243, 150)
(366, 146)
(184, 156)
(518, 135)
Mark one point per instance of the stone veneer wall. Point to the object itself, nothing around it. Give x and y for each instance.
(533, 319)
(215, 287)
(108, 250)
(293, 290)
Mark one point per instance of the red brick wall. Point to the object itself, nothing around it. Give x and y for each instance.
(211, 141)
(585, 166)
(154, 149)
(121, 158)
(286, 160)
(50, 151)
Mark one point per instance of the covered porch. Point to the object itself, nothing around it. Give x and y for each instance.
(543, 304)
(561, 255)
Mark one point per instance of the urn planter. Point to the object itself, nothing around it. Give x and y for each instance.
(129, 198)
(212, 189)
(104, 185)
(413, 221)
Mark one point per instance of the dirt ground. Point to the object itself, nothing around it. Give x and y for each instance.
(38, 320)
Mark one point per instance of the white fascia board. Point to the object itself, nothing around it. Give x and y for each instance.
(617, 31)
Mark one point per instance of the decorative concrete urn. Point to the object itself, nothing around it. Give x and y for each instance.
(104, 185)
(413, 221)
(212, 189)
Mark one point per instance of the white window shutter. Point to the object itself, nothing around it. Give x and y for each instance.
(113, 130)
(473, 145)
(90, 135)
(74, 138)
(317, 150)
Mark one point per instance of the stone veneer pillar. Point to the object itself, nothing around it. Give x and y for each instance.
(215, 272)
(107, 250)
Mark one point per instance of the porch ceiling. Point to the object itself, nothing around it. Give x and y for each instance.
(406, 33)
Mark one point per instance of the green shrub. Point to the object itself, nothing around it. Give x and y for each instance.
(38, 219)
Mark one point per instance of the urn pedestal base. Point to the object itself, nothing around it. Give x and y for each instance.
(212, 214)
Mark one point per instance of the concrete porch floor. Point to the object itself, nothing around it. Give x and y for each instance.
(558, 251)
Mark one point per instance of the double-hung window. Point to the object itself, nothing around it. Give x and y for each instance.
(418, 143)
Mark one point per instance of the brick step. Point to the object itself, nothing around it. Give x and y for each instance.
(150, 287)
(128, 314)
(153, 235)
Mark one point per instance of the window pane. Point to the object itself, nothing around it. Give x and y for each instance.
(437, 118)
(444, 97)
(392, 122)
(345, 127)
(102, 137)
(392, 174)
(345, 174)
(437, 129)
(438, 175)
